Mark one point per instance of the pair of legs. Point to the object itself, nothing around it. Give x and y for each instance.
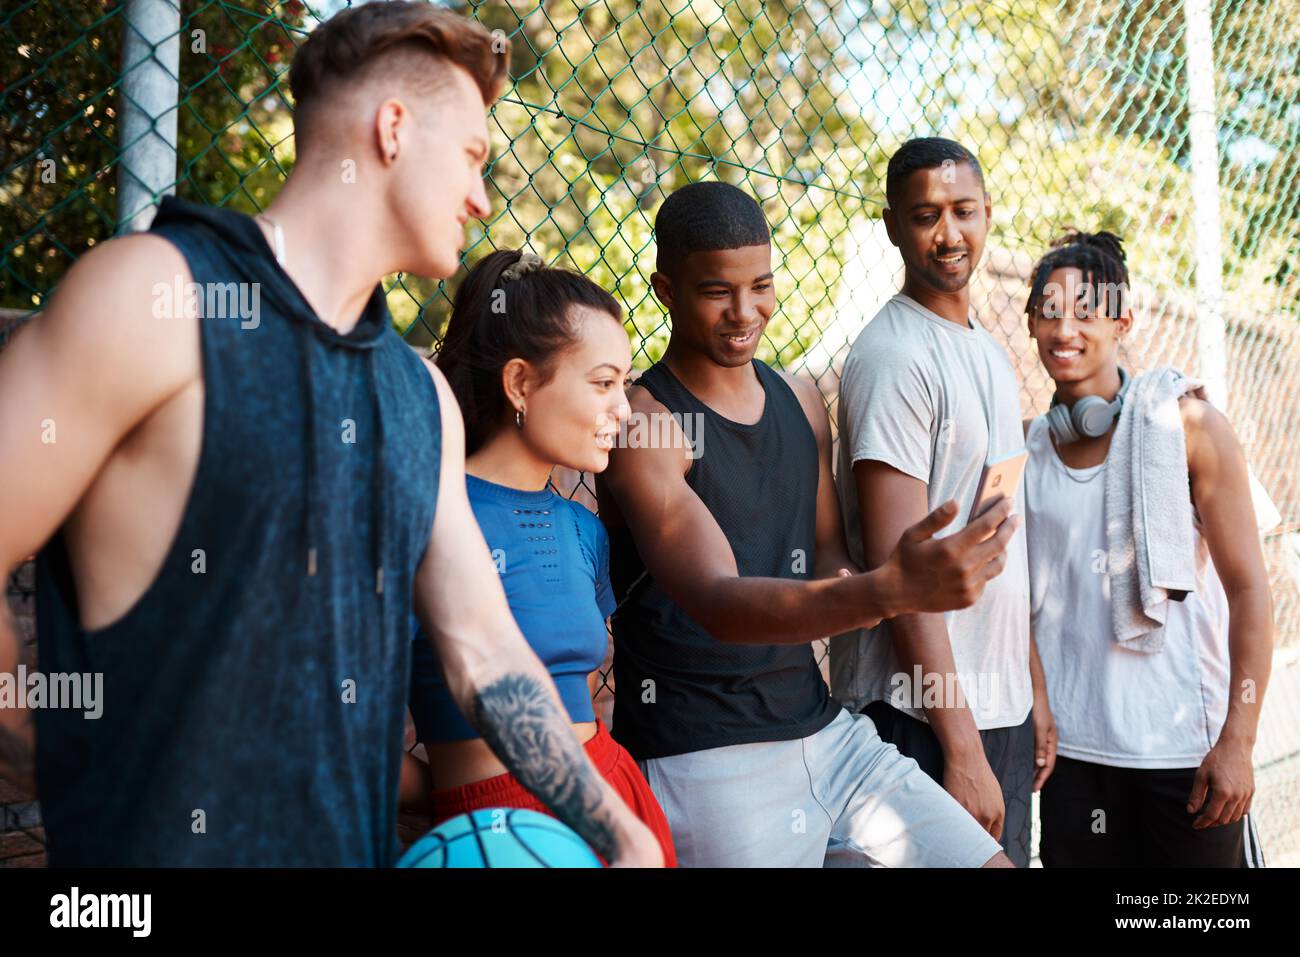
(1010, 753)
(841, 797)
(1095, 815)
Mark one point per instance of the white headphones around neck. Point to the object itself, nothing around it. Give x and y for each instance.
(1090, 417)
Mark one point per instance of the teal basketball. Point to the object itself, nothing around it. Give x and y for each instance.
(500, 837)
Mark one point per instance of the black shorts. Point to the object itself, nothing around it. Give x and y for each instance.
(1094, 815)
(1010, 753)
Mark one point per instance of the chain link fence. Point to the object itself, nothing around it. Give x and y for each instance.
(1175, 123)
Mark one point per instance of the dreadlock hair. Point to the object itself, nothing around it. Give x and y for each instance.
(1099, 256)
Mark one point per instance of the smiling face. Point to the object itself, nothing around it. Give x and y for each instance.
(720, 301)
(1077, 327)
(573, 417)
(436, 182)
(939, 221)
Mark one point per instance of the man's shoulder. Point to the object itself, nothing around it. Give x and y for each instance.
(892, 349)
(804, 388)
(641, 400)
(649, 418)
(995, 344)
(1204, 426)
(129, 266)
(409, 358)
(893, 334)
(420, 413)
(1195, 411)
(428, 369)
(121, 295)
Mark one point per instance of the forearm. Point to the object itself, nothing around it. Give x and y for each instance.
(1250, 651)
(506, 693)
(17, 732)
(762, 611)
(519, 714)
(922, 640)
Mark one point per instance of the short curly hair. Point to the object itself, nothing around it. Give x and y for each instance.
(706, 216)
(926, 152)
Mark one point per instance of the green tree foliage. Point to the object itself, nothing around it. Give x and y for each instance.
(1077, 108)
(59, 105)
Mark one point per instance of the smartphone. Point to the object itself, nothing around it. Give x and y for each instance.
(1000, 477)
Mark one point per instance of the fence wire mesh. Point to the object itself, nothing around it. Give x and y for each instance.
(1081, 112)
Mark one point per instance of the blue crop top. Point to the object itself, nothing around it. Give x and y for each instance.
(553, 559)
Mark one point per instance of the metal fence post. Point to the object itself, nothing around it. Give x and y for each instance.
(1203, 130)
(149, 89)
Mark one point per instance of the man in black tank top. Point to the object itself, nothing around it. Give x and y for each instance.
(728, 557)
(237, 512)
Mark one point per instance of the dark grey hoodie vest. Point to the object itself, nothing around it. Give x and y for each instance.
(254, 696)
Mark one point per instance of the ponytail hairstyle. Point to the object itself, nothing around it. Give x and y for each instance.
(1099, 256)
(510, 306)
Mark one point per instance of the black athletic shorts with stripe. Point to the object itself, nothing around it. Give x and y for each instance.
(1094, 815)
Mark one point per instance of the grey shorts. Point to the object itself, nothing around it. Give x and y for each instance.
(839, 798)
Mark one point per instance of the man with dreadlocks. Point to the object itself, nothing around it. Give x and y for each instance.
(1150, 607)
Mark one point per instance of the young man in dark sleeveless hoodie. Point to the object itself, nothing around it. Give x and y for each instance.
(728, 555)
(242, 492)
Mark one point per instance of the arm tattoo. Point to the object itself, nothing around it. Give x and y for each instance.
(521, 723)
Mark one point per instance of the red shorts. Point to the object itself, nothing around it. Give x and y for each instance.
(611, 760)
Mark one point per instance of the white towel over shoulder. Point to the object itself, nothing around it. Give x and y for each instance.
(1150, 536)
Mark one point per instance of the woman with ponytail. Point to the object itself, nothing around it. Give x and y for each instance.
(537, 358)
(1149, 661)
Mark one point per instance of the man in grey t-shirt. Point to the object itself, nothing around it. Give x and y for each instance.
(927, 396)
